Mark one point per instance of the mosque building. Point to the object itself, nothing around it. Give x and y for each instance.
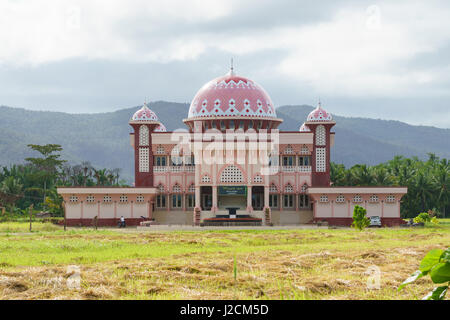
(230, 166)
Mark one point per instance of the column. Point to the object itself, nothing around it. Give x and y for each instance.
(266, 196)
(249, 199)
(197, 197)
(214, 198)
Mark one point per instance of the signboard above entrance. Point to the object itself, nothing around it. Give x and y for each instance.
(232, 190)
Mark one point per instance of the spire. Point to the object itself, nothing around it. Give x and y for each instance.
(231, 73)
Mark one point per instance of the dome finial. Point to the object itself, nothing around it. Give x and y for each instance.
(231, 73)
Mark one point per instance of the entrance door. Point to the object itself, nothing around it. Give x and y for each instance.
(206, 201)
(258, 198)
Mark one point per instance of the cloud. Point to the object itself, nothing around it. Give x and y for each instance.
(345, 52)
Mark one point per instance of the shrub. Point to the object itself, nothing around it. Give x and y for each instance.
(422, 218)
(436, 264)
(360, 221)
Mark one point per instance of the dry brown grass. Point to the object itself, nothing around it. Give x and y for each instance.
(286, 265)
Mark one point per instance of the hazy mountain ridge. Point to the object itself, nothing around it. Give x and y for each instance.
(103, 138)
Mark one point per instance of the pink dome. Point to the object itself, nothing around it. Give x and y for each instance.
(232, 96)
(319, 114)
(160, 128)
(144, 114)
(304, 128)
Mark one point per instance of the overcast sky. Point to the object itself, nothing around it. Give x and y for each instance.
(378, 59)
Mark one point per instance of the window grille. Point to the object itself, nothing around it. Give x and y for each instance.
(320, 135)
(143, 160)
(143, 135)
(231, 174)
(321, 160)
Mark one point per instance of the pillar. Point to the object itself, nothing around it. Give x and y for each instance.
(214, 199)
(266, 196)
(249, 199)
(197, 197)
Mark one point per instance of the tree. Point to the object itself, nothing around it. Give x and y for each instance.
(11, 190)
(360, 221)
(49, 163)
(423, 188)
(362, 175)
(442, 183)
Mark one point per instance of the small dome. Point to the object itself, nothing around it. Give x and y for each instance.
(304, 128)
(319, 114)
(160, 128)
(232, 96)
(144, 114)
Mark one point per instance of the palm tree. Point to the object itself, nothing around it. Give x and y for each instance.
(381, 177)
(87, 170)
(337, 173)
(11, 190)
(441, 181)
(423, 188)
(362, 175)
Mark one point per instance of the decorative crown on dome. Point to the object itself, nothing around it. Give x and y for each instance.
(304, 128)
(232, 96)
(319, 115)
(144, 114)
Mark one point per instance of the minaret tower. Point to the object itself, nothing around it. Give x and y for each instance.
(144, 122)
(320, 123)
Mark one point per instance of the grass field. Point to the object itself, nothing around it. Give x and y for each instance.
(270, 264)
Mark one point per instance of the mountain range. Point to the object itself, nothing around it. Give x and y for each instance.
(103, 138)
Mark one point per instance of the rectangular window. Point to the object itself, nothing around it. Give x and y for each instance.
(303, 201)
(321, 165)
(160, 161)
(189, 161)
(143, 160)
(304, 161)
(161, 201)
(288, 161)
(288, 201)
(176, 201)
(190, 200)
(273, 200)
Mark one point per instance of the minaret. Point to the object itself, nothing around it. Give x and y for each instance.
(320, 123)
(144, 122)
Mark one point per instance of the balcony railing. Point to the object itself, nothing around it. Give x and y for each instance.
(174, 168)
(304, 168)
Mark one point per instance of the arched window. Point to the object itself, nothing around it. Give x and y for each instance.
(257, 179)
(160, 150)
(304, 150)
(288, 188)
(176, 188)
(231, 174)
(160, 188)
(289, 150)
(191, 188)
(304, 188)
(143, 135)
(320, 135)
(206, 179)
(273, 188)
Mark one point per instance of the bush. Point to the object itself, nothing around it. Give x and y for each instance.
(422, 218)
(360, 221)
